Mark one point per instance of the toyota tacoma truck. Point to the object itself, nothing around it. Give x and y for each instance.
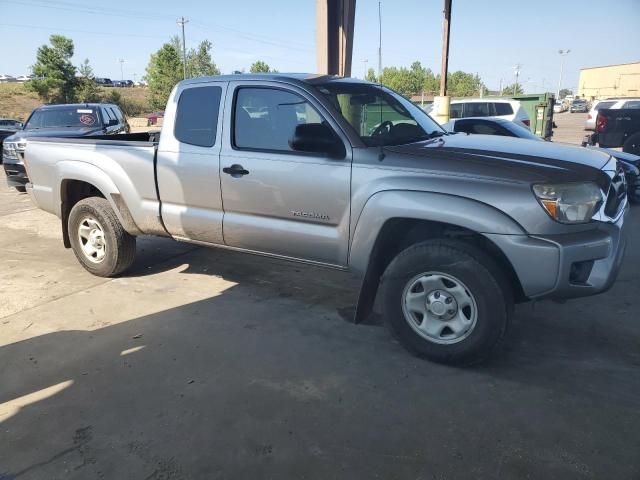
(447, 231)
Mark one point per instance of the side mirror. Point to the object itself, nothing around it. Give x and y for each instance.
(112, 123)
(317, 138)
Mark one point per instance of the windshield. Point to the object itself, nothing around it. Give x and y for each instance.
(378, 115)
(523, 132)
(63, 117)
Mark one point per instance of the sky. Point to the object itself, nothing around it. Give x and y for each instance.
(488, 37)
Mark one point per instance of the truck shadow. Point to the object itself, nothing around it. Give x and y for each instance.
(265, 377)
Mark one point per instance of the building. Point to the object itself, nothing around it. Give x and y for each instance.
(622, 80)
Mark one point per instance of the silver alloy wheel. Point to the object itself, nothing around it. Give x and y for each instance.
(439, 307)
(92, 240)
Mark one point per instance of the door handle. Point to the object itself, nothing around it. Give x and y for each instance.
(235, 170)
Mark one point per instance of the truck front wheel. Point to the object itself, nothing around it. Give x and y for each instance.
(446, 301)
(99, 241)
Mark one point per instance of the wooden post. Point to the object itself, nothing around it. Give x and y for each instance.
(446, 28)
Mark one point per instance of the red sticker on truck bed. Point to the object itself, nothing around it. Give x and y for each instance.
(87, 119)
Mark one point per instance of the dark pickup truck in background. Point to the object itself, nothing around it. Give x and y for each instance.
(68, 120)
(617, 128)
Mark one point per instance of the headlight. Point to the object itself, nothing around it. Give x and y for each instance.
(9, 150)
(569, 202)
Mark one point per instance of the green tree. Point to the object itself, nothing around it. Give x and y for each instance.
(163, 72)
(371, 76)
(199, 62)
(260, 67)
(564, 92)
(463, 84)
(513, 90)
(87, 90)
(55, 80)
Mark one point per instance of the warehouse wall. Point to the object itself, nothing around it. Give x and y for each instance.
(610, 81)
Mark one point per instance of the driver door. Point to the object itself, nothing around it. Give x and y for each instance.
(276, 200)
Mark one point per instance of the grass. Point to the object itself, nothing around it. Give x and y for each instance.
(18, 102)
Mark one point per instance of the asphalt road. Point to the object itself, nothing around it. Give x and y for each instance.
(205, 364)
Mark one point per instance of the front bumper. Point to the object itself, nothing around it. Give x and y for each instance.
(16, 174)
(567, 266)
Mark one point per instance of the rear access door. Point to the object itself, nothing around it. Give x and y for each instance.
(188, 163)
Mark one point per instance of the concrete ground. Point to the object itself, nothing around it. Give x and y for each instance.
(570, 127)
(211, 364)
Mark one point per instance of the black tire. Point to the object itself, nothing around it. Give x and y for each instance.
(120, 246)
(481, 277)
(632, 144)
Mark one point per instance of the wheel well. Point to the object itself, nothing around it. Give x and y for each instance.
(71, 192)
(397, 234)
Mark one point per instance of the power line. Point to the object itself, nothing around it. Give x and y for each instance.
(90, 32)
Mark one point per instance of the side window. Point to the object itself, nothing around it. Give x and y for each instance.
(118, 114)
(479, 127)
(503, 108)
(106, 116)
(197, 116)
(266, 118)
(477, 109)
(455, 110)
(632, 104)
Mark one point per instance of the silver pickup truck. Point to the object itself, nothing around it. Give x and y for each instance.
(448, 231)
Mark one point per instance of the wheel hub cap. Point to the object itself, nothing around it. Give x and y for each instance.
(91, 237)
(439, 307)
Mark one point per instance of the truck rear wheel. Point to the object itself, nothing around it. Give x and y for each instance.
(99, 241)
(632, 144)
(446, 301)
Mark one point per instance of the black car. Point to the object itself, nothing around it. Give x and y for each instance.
(498, 126)
(70, 120)
(105, 82)
(8, 127)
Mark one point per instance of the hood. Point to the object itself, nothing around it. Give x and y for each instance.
(53, 132)
(506, 158)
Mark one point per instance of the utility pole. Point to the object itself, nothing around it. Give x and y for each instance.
(563, 53)
(515, 86)
(182, 22)
(500, 92)
(121, 70)
(380, 42)
(446, 29)
(441, 103)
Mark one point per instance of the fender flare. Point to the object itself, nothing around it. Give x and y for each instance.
(86, 172)
(435, 207)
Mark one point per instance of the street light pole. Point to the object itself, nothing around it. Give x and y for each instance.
(121, 70)
(563, 53)
(446, 29)
(515, 86)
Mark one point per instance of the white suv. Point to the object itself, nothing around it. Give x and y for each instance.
(484, 107)
(616, 103)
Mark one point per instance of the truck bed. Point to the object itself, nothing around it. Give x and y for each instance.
(124, 166)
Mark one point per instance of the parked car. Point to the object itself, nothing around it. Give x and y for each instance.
(105, 82)
(8, 126)
(7, 78)
(630, 164)
(578, 105)
(482, 107)
(24, 78)
(560, 106)
(452, 229)
(70, 120)
(489, 126)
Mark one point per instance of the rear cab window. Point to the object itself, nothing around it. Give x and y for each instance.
(197, 115)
